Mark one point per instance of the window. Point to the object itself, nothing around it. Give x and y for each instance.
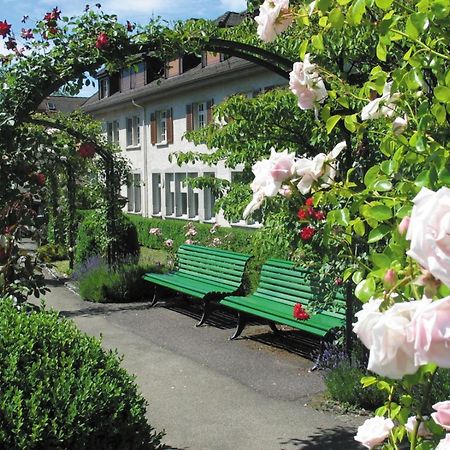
(169, 186)
(161, 127)
(181, 200)
(209, 199)
(199, 115)
(112, 132)
(156, 193)
(51, 106)
(104, 88)
(134, 193)
(133, 131)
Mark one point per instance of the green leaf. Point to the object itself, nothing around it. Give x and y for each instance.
(378, 233)
(382, 185)
(358, 10)
(357, 276)
(371, 176)
(442, 93)
(359, 227)
(380, 260)
(317, 42)
(336, 18)
(384, 4)
(368, 381)
(303, 48)
(380, 212)
(331, 123)
(439, 112)
(350, 122)
(324, 5)
(381, 51)
(365, 289)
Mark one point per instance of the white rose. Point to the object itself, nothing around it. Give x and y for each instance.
(273, 19)
(374, 431)
(444, 444)
(320, 168)
(269, 176)
(367, 317)
(399, 125)
(411, 423)
(307, 84)
(429, 232)
(392, 352)
(383, 106)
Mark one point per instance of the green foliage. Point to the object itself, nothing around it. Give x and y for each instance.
(60, 389)
(123, 284)
(92, 238)
(51, 252)
(343, 384)
(235, 239)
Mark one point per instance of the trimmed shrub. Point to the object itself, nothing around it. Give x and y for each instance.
(92, 238)
(51, 252)
(235, 239)
(124, 284)
(60, 390)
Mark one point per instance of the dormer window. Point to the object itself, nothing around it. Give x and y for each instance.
(104, 88)
(51, 106)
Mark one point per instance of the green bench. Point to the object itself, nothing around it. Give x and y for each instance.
(205, 273)
(281, 286)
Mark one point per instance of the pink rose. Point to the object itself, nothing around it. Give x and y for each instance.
(155, 231)
(274, 18)
(269, 174)
(168, 243)
(189, 241)
(444, 444)
(429, 232)
(383, 106)
(442, 414)
(374, 431)
(404, 224)
(285, 191)
(307, 84)
(390, 278)
(430, 334)
(367, 317)
(411, 423)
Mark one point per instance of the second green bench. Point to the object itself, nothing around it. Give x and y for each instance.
(281, 286)
(205, 273)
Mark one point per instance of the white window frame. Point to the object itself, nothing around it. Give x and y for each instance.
(133, 132)
(134, 192)
(200, 112)
(104, 87)
(161, 126)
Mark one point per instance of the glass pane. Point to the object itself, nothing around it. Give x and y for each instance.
(156, 193)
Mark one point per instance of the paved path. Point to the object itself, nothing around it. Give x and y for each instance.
(206, 392)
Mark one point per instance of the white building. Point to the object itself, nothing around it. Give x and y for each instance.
(148, 115)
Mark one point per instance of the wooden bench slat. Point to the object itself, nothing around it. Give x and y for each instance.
(226, 254)
(207, 266)
(217, 260)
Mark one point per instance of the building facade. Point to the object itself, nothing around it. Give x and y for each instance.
(147, 109)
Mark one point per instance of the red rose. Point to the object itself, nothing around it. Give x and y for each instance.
(86, 150)
(299, 312)
(53, 30)
(27, 34)
(53, 15)
(309, 202)
(306, 233)
(338, 281)
(5, 28)
(38, 178)
(130, 26)
(319, 215)
(11, 44)
(102, 41)
(302, 214)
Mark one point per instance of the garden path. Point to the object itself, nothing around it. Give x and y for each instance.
(206, 392)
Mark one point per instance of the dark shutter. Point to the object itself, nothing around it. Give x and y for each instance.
(256, 92)
(189, 124)
(169, 126)
(209, 105)
(153, 131)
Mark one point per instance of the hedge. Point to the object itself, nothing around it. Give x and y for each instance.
(238, 240)
(60, 390)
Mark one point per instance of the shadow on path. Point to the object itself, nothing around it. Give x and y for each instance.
(330, 439)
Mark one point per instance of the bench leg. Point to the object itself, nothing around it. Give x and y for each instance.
(155, 297)
(273, 327)
(207, 308)
(242, 321)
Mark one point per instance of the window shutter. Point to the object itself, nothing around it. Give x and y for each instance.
(256, 92)
(189, 124)
(153, 131)
(209, 105)
(169, 126)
